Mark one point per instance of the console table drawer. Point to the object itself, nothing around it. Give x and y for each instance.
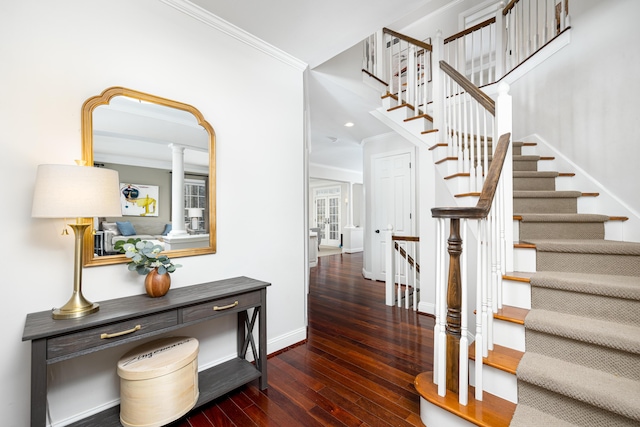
(85, 340)
(221, 306)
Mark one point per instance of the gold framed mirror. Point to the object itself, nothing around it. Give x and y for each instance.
(164, 151)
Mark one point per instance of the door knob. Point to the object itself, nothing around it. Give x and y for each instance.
(378, 231)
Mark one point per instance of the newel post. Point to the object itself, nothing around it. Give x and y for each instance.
(390, 272)
(454, 306)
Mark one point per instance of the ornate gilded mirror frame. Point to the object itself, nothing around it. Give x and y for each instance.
(89, 257)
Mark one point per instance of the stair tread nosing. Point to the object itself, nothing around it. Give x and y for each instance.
(626, 287)
(591, 386)
(503, 358)
(492, 411)
(600, 332)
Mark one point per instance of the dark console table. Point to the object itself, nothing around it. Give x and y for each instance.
(134, 318)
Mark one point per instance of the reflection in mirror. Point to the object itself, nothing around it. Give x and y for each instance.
(164, 152)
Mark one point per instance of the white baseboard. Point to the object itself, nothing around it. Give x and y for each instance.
(286, 340)
(352, 250)
(427, 307)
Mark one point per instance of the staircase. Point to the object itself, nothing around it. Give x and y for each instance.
(568, 336)
(565, 342)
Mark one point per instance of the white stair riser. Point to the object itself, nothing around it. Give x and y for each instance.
(416, 126)
(398, 115)
(432, 415)
(496, 382)
(524, 260)
(516, 294)
(508, 334)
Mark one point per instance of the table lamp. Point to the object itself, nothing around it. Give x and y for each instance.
(195, 214)
(69, 191)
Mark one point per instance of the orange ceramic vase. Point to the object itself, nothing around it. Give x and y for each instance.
(157, 285)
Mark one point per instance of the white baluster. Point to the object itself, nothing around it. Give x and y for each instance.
(499, 45)
(439, 273)
(442, 338)
(463, 363)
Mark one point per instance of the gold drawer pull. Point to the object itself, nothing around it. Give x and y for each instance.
(117, 334)
(224, 307)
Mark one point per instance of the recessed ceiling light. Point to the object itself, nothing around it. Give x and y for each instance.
(348, 124)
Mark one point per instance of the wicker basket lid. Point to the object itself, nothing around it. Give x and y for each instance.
(157, 358)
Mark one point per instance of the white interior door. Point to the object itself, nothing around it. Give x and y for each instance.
(392, 203)
(327, 215)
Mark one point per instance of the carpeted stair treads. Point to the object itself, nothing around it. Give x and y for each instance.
(627, 287)
(588, 305)
(545, 201)
(561, 226)
(600, 332)
(534, 180)
(564, 408)
(588, 256)
(581, 367)
(615, 362)
(590, 386)
(528, 416)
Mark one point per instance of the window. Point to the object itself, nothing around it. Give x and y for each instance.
(195, 196)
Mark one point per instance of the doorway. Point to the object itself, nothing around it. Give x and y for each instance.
(327, 214)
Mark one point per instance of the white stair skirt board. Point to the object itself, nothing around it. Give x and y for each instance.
(516, 294)
(508, 334)
(496, 382)
(432, 415)
(524, 260)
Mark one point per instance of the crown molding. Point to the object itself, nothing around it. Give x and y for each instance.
(237, 33)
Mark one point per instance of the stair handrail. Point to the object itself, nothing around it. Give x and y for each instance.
(408, 39)
(482, 98)
(483, 206)
(450, 332)
(470, 30)
(409, 78)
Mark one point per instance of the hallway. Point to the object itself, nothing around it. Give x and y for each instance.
(356, 368)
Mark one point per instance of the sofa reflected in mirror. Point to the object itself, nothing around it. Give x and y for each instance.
(112, 232)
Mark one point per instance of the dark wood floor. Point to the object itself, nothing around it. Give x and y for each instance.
(356, 368)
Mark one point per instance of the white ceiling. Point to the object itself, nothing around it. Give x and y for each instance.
(327, 35)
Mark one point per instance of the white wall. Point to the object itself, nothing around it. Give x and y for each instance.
(584, 99)
(55, 55)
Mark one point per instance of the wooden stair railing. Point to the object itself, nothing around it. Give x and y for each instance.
(402, 275)
(408, 79)
(454, 294)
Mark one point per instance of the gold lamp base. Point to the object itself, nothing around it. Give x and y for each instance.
(77, 306)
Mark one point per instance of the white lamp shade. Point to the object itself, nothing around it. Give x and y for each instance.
(194, 212)
(69, 191)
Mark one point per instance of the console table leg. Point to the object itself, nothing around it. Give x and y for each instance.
(38, 382)
(262, 339)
